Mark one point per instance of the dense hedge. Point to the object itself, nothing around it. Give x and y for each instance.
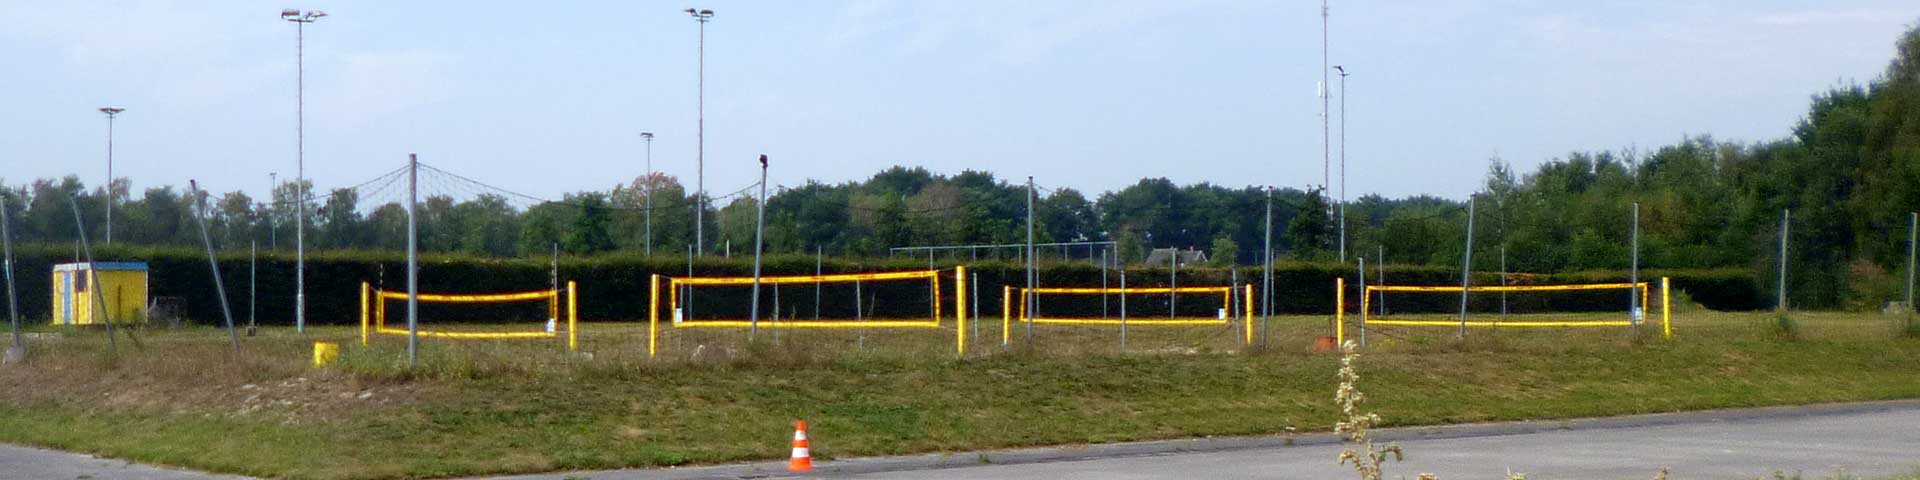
(614, 286)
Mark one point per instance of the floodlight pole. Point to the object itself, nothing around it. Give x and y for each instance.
(759, 237)
(700, 149)
(1343, 163)
(1326, 155)
(213, 265)
(111, 113)
(1466, 268)
(18, 351)
(300, 21)
(649, 191)
(413, 265)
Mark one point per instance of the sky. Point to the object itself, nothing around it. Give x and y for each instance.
(1092, 95)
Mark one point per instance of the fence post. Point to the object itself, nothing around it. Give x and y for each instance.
(1362, 257)
(1123, 310)
(1634, 309)
(1913, 235)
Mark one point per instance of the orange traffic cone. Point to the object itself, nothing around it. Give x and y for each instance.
(802, 460)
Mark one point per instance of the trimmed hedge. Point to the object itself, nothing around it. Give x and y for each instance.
(613, 287)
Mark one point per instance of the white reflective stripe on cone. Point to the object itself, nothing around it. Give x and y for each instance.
(800, 452)
(799, 435)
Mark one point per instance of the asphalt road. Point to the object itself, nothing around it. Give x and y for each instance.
(1867, 439)
(22, 463)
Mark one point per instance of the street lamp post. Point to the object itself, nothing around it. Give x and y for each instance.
(111, 112)
(700, 150)
(649, 191)
(300, 21)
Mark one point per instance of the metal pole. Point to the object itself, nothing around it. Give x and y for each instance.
(1786, 215)
(759, 238)
(1362, 258)
(1103, 283)
(1380, 263)
(1326, 155)
(1913, 237)
(273, 211)
(686, 307)
(213, 265)
(253, 286)
(1466, 269)
(1173, 282)
(1266, 274)
(18, 351)
(700, 155)
(300, 178)
(1343, 165)
(973, 286)
(860, 312)
(111, 112)
(1503, 281)
(413, 265)
(818, 254)
(649, 193)
(1633, 275)
(1123, 310)
(1032, 304)
(93, 277)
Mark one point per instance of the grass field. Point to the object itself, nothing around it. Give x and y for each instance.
(180, 398)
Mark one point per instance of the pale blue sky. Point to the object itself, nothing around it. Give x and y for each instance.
(548, 97)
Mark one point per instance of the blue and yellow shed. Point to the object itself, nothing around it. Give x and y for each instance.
(122, 288)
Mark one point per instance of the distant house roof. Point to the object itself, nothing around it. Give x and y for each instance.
(1160, 256)
(74, 267)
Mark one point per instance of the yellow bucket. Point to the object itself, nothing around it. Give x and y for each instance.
(324, 353)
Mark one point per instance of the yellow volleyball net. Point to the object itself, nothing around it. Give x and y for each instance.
(495, 323)
(1210, 310)
(1624, 304)
(874, 306)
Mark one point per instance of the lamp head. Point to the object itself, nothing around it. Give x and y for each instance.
(111, 111)
(315, 14)
(289, 13)
(646, 135)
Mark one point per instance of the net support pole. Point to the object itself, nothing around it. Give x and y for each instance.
(1340, 310)
(413, 265)
(573, 317)
(1666, 308)
(1380, 267)
(653, 315)
(1503, 279)
(363, 314)
(1103, 284)
(859, 312)
(1466, 269)
(253, 284)
(960, 308)
(1246, 306)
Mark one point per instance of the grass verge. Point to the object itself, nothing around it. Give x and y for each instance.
(183, 400)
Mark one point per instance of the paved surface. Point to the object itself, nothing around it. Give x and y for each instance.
(1871, 439)
(22, 463)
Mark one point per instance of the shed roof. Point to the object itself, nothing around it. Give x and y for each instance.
(103, 266)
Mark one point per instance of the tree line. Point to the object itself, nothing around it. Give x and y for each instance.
(1849, 173)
